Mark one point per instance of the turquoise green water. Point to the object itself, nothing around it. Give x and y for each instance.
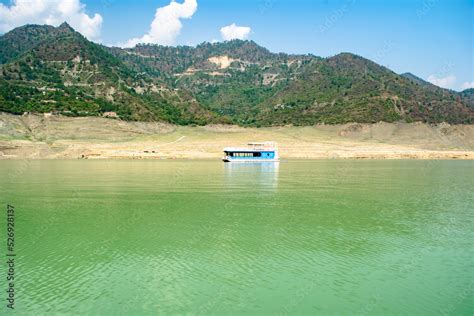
(203, 237)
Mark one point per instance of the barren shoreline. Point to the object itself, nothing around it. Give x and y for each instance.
(55, 137)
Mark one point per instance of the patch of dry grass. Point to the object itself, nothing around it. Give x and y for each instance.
(35, 136)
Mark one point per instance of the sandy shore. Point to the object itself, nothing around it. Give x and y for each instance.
(38, 137)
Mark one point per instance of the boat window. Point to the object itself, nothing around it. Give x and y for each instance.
(245, 154)
(249, 154)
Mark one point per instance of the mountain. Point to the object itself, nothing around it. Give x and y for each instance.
(348, 87)
(55, 69)
(47, 69)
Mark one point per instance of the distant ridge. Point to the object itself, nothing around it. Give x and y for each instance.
(417, 79)
(468, 97)
(56, 69)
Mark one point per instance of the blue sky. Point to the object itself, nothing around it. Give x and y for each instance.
(430, 38)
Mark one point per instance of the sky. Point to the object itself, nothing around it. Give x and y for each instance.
(432, 39)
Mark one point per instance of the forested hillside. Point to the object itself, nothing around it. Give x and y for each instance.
(48, 69)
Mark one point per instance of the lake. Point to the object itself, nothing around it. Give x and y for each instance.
(348, 237)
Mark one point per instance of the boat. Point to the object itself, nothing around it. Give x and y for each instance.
(254, 152)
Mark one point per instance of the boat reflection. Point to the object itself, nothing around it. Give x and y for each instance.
(252, 175)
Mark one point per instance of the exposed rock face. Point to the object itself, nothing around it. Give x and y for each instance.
(222, 62)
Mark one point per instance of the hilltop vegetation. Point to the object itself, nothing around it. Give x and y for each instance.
(48, 69)
(58, 70)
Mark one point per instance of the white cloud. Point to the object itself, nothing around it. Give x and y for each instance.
(52, 12)
(167, 24)
(443, 82)
(233, 31)
(467, 85)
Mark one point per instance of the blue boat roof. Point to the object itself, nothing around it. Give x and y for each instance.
(254, 147)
